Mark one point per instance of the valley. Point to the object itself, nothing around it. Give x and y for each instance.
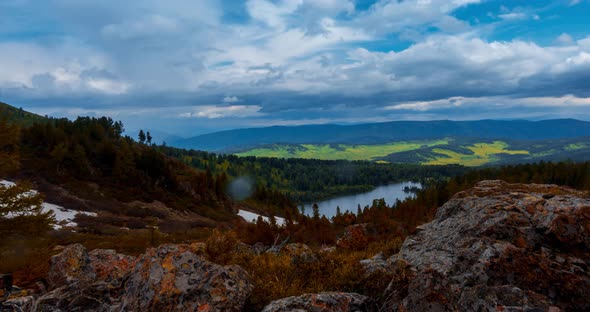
(294, 156)
(109, 191)
(466, 152)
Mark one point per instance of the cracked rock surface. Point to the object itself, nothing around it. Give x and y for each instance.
(499, 247)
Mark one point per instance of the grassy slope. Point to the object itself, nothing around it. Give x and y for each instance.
(434, 152)
(339, 151)
(18, 116)
(483, 153)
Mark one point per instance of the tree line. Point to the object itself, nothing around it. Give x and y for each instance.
(308, 180)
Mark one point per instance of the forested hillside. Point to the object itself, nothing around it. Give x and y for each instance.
(18, 115)
(87, 164)
(305, 180)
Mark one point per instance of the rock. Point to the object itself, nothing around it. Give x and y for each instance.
(241, 248)
(110, 266)
(326, 250)
(58, 248)
(97, 297)
(24, 303)
(71, 266)
(259, 248)
(354, 237)
(199, 249)
(324, 302)
(498, 247)
(300, 253)
(167, 278)
(171, 278)
(376, 264)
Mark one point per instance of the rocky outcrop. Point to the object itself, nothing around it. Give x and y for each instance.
(110, 266)
(376, 264)
(324, 302)
(71, 266)
(167, 278)
(171, 278)
(498, 247)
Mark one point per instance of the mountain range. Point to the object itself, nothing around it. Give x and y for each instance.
(378, 133)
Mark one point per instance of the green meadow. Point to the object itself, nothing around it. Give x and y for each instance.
(339, 151)
(448, 151)
(482, 153)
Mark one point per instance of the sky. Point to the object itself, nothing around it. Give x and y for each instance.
(187, 67)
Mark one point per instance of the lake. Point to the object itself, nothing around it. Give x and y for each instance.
(390, 193)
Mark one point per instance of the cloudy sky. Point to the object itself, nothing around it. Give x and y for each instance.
(193, 66)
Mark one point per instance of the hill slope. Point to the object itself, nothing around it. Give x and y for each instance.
(379, 133)
(19, 116)
(467, 152)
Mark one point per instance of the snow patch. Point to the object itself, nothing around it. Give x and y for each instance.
(63, 216)
(252, 217)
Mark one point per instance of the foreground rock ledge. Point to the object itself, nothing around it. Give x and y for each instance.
(167, 278)
(499, 247)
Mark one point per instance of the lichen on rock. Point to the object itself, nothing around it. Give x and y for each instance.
(498, 246)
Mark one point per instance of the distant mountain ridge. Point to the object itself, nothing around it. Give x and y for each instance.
(377, 133)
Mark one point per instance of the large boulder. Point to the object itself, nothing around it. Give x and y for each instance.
(323, 302)
(167, 278)
(171, 278)
(498, 247)
(71, 266)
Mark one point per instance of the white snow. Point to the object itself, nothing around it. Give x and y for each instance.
(252, 217)
(63, 216)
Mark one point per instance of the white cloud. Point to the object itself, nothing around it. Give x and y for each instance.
(513, 16)
(146, 26)
(185, 53)
(230, 99)
(564, 39)
(567, 101)
(213, 111)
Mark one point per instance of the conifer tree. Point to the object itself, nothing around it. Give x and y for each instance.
(20, 207)
(316, 212)
(141, 137)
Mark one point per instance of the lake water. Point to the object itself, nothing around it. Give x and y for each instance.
(390, 193)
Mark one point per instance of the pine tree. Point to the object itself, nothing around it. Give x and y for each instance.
(141, 137)
(20, 207)
(148, 138)
(9, 136)
(316, 211)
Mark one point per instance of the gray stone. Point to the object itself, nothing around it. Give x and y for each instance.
(498, 246)
(324, 302)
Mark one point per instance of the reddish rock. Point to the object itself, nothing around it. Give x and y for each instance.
(499, 247)
(171, 278)
(109, 265)
(167, 278)
(71, 266)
